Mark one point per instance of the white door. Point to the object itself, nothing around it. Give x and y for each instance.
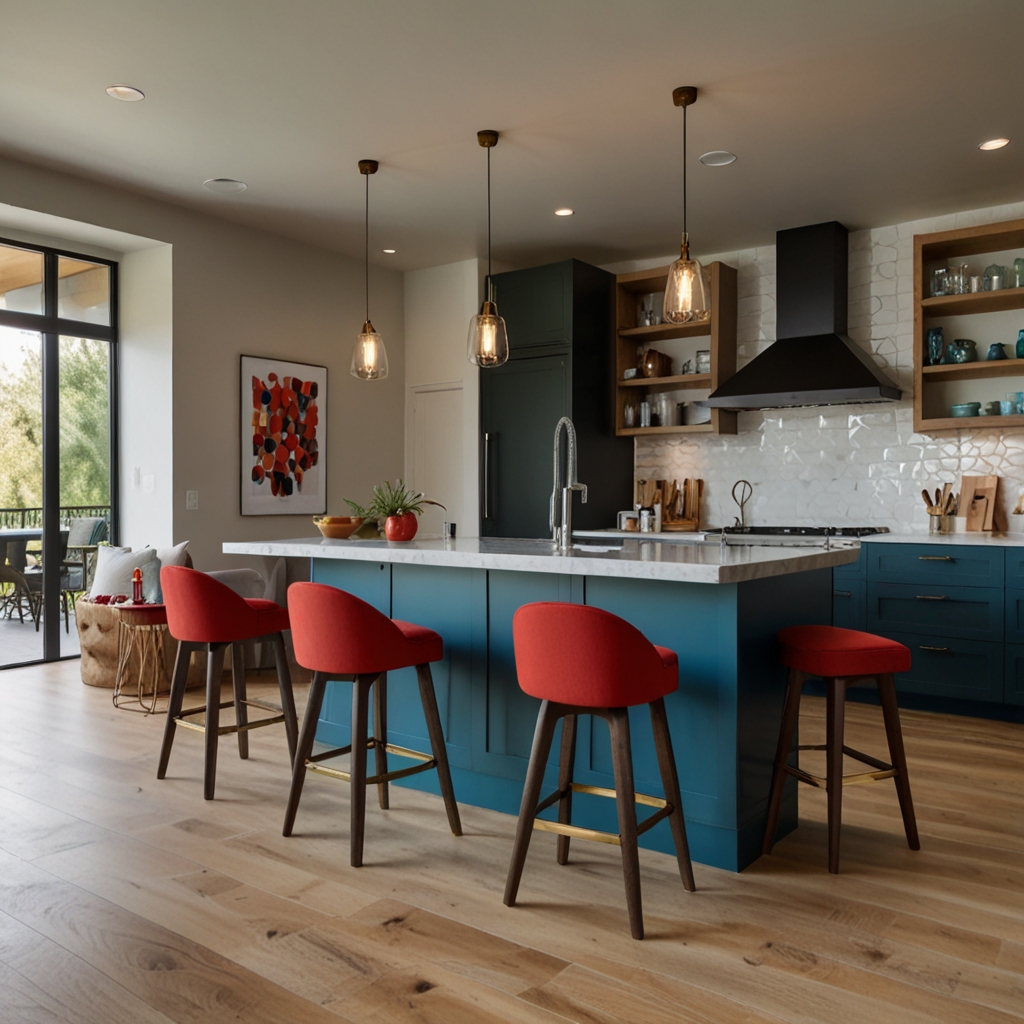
(436, 449)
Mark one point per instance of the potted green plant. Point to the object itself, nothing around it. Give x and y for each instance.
(397, 506)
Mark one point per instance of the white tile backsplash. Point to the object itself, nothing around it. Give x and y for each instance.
(859, 465)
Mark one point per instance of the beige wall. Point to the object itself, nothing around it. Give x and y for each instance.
(236, 290)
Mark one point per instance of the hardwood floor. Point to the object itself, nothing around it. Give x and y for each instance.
(124, 899)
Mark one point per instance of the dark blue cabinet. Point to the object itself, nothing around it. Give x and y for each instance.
(1013, 692)
(561, 346)
(972, 613)
(849, 603)
(956, 565)
(945, 667)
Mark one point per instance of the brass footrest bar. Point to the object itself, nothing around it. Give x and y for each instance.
(577, 832)
(372, 780)
(848, 780)
(226, 730)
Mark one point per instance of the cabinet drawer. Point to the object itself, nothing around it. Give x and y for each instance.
(849, 603)
(955, 565)
(855, 570)
(1015, 615)
(1014, 692)
(968, 669)
(1015, 567)
(971, 613)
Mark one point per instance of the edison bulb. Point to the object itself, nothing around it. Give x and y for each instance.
(369, 357)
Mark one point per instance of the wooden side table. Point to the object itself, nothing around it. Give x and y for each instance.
(141, 627)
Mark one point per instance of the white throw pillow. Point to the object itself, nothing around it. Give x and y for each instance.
(173, 556)
(114, 568)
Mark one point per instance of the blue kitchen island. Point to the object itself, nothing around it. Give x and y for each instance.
(719, 607)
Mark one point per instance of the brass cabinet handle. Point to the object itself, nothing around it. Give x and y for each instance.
(930, 597)
(923, 647)
(842, 593)
(935, 558)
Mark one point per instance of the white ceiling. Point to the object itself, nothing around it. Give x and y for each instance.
(866, 111)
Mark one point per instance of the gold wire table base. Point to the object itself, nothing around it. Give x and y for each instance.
(148, 640)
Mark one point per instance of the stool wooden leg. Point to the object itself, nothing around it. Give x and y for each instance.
(437, 746)
(305, 747)
(566, 763)
(670, 783)
(625, 797)
(284, 684)
(834, 727)
(790, 715)
(360, 701)
(542, 735)
(380, 734)
(898, 757)
(214, 674)
(174, 701)
(238, 687)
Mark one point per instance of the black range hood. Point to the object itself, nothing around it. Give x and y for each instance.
(814, 362)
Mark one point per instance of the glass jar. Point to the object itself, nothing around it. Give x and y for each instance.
(939, 281)
(704, 361)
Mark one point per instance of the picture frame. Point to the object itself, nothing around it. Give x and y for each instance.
(283, 435)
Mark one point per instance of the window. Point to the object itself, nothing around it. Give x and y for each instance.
(58, 441)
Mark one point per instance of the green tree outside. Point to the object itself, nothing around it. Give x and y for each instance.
(84, 426)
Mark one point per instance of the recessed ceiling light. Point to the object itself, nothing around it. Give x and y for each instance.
(994, 144)
(564, 212)
(389, 250)
(718, 158)
(225, 186)
(128, 93)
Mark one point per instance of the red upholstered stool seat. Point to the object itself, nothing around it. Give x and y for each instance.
(337, 634)
(204, 614)
(830, 651)
(584, 661)
(841, 657)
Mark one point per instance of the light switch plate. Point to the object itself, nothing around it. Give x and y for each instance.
(191, 501)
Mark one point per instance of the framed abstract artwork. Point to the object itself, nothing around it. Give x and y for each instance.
(284, 438)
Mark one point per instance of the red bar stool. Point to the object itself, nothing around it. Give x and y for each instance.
(842, 658)
(338, 635)
(584, 661)
(204, 614)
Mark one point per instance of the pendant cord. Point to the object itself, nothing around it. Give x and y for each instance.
(366, 246)
(488, 222)
(684, 170)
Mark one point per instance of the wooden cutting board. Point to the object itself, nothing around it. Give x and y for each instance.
(979, 502)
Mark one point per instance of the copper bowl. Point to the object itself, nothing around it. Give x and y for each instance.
(338, 527)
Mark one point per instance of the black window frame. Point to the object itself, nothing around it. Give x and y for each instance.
(51, 327)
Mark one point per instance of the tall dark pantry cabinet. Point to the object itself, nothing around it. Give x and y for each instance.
(561, 363)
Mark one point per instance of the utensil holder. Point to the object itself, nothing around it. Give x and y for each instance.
(941, 524)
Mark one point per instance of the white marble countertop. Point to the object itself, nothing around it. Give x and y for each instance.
(999, 540)
(640, 559)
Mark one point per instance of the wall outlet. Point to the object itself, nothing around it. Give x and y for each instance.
(191, 501)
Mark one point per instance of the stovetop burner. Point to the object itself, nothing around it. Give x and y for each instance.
(804, 531)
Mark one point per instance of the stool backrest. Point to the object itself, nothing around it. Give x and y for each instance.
(575, 654)
(334, 631)
(202, 610)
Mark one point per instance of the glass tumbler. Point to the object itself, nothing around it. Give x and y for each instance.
(939, 281)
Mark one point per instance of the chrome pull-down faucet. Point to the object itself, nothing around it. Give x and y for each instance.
(561, 533)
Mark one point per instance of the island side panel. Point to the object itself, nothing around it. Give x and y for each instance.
(698, 622)
(765, 607)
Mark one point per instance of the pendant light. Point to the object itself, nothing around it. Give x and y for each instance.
(488, 340)
(685, 296)
(369, 359)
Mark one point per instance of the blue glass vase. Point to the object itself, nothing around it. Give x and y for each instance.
(1020, 345)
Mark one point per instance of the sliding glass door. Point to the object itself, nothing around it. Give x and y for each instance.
(58, 387)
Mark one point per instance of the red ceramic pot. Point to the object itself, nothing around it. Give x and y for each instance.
(401, 527)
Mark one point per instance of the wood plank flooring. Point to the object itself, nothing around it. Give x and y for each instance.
(124, 899)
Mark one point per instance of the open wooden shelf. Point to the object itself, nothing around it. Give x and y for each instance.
(955, 245)
(720, 329)
(693, 428)
(975, 302)
(679, 381)
(980, 370)
(665, 332)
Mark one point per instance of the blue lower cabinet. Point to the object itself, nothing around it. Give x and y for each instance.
(856, 570)
(948, 667)
(1014, 615)
(942, 564)
(1014, 691)
(968, 613)
(849, 602)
